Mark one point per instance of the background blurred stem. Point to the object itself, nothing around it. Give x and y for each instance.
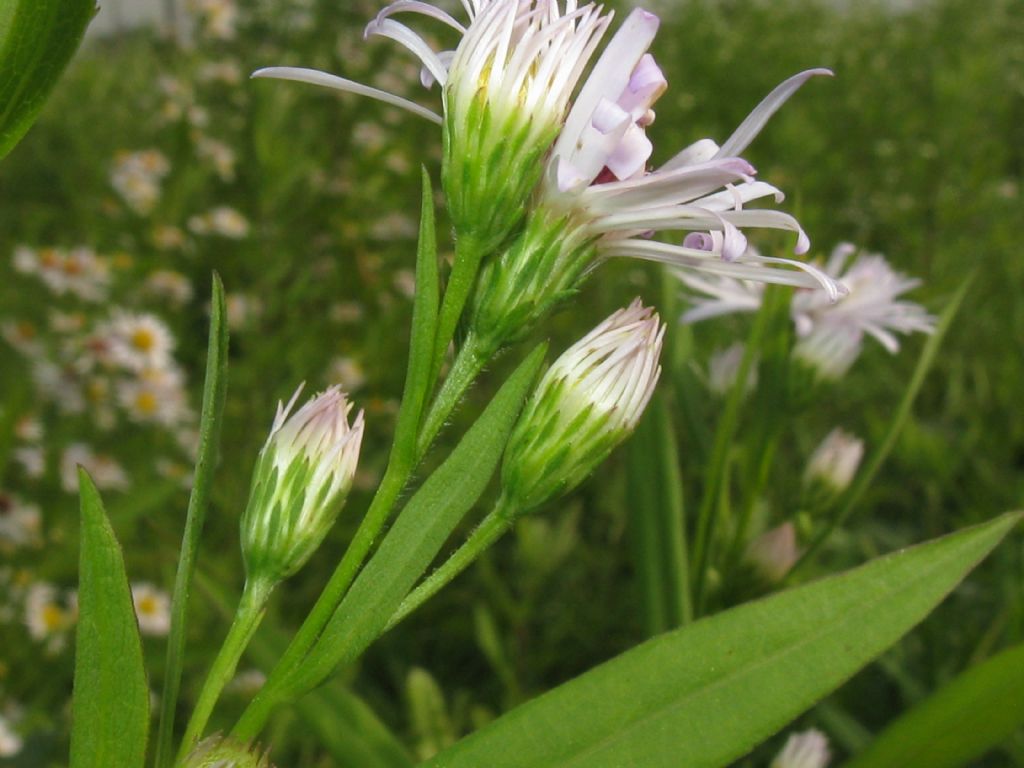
(899, 420)
(716, 468)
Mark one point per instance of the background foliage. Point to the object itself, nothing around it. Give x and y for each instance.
(915, 149)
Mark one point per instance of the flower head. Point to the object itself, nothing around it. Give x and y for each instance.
(301, 479)
(506, 88)
(152, 609)
(808, 749)
(831, 335)
(588, 402)
(220, 752)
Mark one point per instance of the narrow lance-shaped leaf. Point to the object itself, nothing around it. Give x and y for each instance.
(214, 393)
(37, 39)
(424, 325)
(976, 712)
(420, 530)
(110, 709)
(706, 694)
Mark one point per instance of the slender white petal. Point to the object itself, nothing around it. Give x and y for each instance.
(416, 44)
(316, 77)
(756, 120)
(426, 9)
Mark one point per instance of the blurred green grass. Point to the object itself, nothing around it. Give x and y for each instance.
(915, 149)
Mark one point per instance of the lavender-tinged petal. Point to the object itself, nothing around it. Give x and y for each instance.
(427, 79)
(770, 220)
(608, 78)
(683, 185)
(630, 156)
(756, 120)
(426, 9)
(697, 153)
(316, 77)
(834, 289)
(738, 195)
(417, 45)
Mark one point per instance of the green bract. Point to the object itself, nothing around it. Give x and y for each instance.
(217, 752)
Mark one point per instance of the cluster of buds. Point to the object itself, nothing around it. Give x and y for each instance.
(219, 752)
(299, 485)
(588, 402)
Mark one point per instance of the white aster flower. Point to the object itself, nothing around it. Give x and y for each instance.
(32, 459)
(137, 178)
(10, 741)
(808, 749)
(156, 395)
(348, 372)
(48, 614)
(137, 341)
(831, 335)
(220, 155)
(222, 221)
(171, 285)
(21, 523)
(152, 609)
(104, 470)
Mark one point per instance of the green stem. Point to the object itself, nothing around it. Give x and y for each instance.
(247, 619)
(468, 255)
(724, 435)
(490, 530)
(472, 357)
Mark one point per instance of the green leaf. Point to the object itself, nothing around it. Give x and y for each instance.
(958, 724)
(214, 393)
(110, 709)
(424, 325)
(706, 694)
(655, 487)
(419, 532)
(37, 39)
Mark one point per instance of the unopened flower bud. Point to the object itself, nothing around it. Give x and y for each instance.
(218, 752)
(588, 402)
(834, 463)
(302, 475)
(804, 750)
(774, 552)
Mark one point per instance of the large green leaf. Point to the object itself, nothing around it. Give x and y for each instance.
(971, 715)
(706, 694)
(37, 39)
(420, 531)
(110, 709)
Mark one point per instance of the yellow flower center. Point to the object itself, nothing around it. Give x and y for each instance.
(53, 617)
(146, 403)
(143, 340)
(147, 605)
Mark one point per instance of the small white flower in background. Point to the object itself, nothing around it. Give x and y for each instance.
(152, 608)
(10, 742)
(168, 238)
(79, 272)
(29, 429)
(724, 367)
(348, 372)
(242, 310)
(222, 221)
(105, 471)
(175, 471)
(32, 459)
(220, 156)
(808, 749)
(60, 385)
(404, 281)
(588, 402)
(171, 285)
(157, 395)
(774, 552)
(138, 341)
(227, 72)
(137, 178)
(49, 615)
(831, 335)
(21, 523)
(302, 476)
(835, 461)
(23, 336)
(219, 18)
(717, 295)
(347, 312)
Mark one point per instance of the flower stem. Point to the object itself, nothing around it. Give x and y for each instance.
(472, 357)
(497, 522)
(247, 619)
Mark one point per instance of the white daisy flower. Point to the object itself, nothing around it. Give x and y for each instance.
(105, 471)
(152, 609)
(21, 523)
(138, 341)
